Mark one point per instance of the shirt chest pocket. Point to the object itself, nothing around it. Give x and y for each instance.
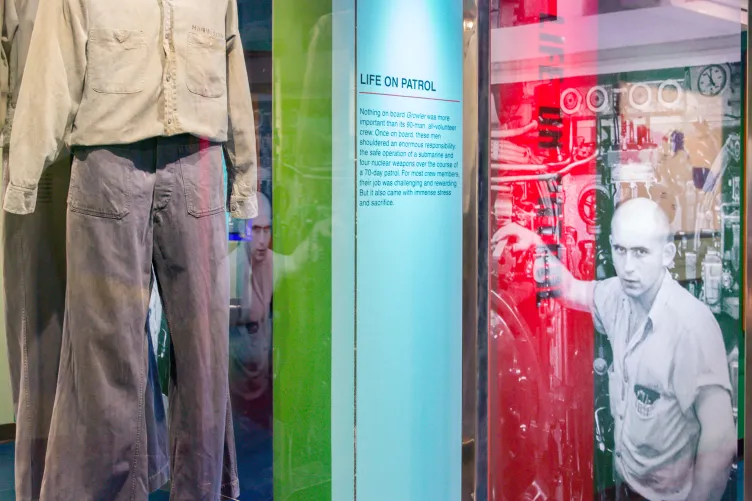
(649, 420)
(206, 69)
(116, 61)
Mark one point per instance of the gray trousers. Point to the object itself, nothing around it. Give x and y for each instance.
(158, 202)
(34, 281)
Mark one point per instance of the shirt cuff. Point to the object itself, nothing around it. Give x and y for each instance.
(19, 200)
(244, 208)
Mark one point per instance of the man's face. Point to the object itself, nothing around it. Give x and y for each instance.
(640, 255)
(261, 230)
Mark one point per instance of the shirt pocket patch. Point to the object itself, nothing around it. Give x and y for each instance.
(645, 400)
(206, 71)
(117, 61)
(646, 424)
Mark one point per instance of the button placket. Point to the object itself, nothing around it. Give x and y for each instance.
(169, 46)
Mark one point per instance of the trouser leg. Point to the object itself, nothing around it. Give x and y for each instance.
(191, 262)
(34, 251)
(230, 483)
(34, 290)
(97, 446)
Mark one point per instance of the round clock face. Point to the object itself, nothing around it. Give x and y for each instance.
(712, 80)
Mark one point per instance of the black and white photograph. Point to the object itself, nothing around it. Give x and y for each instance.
(616, 220)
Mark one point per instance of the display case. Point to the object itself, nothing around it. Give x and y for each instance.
(609, 125)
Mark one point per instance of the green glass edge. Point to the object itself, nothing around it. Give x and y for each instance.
(743, 268)
(302, 201)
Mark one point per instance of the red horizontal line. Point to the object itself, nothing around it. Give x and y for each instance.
(412, 97)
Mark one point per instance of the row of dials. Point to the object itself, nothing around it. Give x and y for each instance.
(669, 94)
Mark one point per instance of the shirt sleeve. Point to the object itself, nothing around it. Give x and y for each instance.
(241, 137)
(49, 98)
(602, 307)
(700, 361)
(9, 25)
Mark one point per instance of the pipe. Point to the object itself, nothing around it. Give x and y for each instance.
(528, 167)
(503, 134)
(542, 177)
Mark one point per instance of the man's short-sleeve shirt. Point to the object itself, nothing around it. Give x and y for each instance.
(653, 382)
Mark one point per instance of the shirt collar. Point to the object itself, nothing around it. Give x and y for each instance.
(658, 310)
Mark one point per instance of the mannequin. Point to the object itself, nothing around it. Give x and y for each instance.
(34, 288)
(153, 92)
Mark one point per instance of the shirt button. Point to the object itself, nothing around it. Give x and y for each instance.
(618, 454)
(168, 78)
(169, 121)
(233, 207)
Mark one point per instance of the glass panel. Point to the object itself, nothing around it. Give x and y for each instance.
(232, 248)
(616, 350)
(408, 271)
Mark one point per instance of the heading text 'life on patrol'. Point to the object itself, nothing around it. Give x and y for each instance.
(395, 82)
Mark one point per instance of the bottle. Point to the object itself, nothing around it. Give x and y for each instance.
(690, 265)
(711, 275)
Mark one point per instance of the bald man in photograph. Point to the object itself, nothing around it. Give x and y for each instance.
(669, 385)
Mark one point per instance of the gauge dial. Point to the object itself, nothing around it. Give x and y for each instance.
(570, 101)
(670, 94)
(597, 99)
(712, 80)
(640, 96)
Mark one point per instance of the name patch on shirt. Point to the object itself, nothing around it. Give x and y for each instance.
(206, 31)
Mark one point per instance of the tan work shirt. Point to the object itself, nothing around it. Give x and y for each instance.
(18, 24)
(653, 383)
(103, 72)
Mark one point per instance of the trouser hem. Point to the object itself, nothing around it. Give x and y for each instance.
(230, 490)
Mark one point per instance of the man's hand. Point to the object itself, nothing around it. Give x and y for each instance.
(716, 448)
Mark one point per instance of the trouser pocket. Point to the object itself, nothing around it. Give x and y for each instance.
(100, 183)
(203, 180)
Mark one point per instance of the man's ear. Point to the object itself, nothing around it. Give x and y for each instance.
(669, 251)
